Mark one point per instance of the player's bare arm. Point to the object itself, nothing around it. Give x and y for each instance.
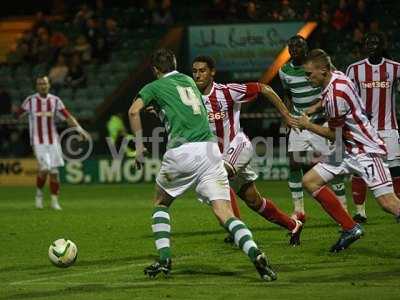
(72, 122)
(270, 94)
(136, 127)
(304, 122)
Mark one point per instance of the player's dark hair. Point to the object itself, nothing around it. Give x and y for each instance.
(296, 39)
(205, 59)
(164, 60)
(321, 58)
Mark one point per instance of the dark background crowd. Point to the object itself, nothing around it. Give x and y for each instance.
(70, 38)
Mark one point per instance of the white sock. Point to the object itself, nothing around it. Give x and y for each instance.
(298, 204)
(39, 193)
(360, 208)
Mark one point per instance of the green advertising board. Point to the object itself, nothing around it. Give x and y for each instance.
(109, 171)
(241, 47)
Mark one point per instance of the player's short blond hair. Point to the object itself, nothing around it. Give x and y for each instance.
(320, 58)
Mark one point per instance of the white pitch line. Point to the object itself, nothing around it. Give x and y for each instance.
(50, 278)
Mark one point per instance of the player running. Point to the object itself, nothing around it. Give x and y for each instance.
(43, 109)
(304, 146)
(223, 102)
(192, 159)
(362, 153)
(376, 78)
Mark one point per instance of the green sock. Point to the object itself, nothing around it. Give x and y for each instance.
(243, 237)
(162, 231)
(296, 188)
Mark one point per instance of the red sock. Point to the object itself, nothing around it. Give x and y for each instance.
(234, 204)
(40, 181)
(359, 190)
(396, 186)
(54, 187)
(273, 214)
(331, 204)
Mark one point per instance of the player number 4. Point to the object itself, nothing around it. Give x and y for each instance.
(189, 98)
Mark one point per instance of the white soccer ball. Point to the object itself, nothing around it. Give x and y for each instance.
(63, 253)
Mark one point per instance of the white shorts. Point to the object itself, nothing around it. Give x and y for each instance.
(306, 140)
(237, 158)
(48, 156)
(392, 141)
(369, 166)
(198, 164)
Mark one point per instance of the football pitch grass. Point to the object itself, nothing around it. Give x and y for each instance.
(111, 226)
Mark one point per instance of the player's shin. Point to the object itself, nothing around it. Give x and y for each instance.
(272, 213)
(234, 204)
(162, 231)
(296, 189)
(332, 206)
(339, 188)
(243, 237)
(359, 192)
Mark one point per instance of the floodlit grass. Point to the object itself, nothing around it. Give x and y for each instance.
(111, 227)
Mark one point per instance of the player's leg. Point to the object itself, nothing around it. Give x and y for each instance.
(44, 166)
(213, 186)
(295, 184)
(339, 188)
(40, 182)
(395, 172)
(270, 211)
(315, 181)
(161, 227)
(359, 193)
(55, 188)
(56, 161)
(243, 238)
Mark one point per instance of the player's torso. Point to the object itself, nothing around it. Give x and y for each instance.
(223, 114)
(42, 118)
(302, 93)
(358, 134)
(376, 84)
(182, 110)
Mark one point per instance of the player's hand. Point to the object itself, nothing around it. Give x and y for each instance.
(139, 159)
(303, 121)
(83, 133)
(291, 121)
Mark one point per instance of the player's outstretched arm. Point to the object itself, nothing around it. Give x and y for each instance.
(72, 122)
(304, 122)
(136, 126)
(270, 94)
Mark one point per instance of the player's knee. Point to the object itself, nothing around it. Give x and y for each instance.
(222, 210)
(250, 195)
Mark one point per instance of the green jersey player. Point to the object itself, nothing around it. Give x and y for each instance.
(192, 159)
(304, 146)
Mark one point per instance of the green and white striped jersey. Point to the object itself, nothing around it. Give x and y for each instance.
(294, 80)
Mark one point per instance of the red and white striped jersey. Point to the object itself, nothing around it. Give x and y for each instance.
(345, 109)
(376, 85)
(223, 106)
(42, 113)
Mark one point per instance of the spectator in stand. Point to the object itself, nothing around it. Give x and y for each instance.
(42, 49)
(58, 42)
(58, 73)
(286, 11)
(82, 16)
(83, 48)
(360, 13)
(76, 77)
(111, 33)
(252, 11)
(341, 17)
(41, 21)
(162, 14)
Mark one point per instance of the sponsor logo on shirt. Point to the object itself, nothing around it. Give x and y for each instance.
(375, 84)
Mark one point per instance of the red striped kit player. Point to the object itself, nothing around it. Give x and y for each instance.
(362, 151)
(376, 79)
(43, 109)
(223, 102)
